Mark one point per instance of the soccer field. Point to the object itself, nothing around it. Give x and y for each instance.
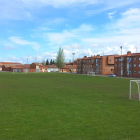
(56, 106)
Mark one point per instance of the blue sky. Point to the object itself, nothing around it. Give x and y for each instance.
(32, 29)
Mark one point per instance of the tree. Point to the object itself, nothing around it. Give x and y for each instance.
(60, 59)
(43, 62)
(51, 62)
(47, 62)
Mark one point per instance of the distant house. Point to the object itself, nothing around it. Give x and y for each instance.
(0, 67)
(43, 69)
(20, 68)
(16, 68)
(6, 67)
(52, 68)
(34, 67)
(69, 68)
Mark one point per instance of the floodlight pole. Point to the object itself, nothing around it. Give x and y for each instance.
(73, 62)
(121, 61)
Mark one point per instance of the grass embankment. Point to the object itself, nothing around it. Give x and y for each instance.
(64, 106)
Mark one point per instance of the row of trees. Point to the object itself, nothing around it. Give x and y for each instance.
(50, 63)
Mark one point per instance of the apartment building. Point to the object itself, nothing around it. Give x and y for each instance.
(102, 65)
(130, 65)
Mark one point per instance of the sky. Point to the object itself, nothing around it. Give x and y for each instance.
(33, 30)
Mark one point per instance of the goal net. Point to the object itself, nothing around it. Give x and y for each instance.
(91, 73)
(17, 70)
(134, 92)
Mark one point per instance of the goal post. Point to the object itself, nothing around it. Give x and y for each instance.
(91, 73)
(138, 89)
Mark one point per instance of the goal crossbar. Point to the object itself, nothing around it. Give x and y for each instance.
(138, 82)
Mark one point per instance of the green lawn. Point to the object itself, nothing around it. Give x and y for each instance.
(53, 106)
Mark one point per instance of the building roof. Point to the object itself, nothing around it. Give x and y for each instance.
(4, 63)
(43, 66)
(70, 63)
(20, 66)
(69, 67)
(52, 66)
(89, 58)
(7, 65)
(132, 54)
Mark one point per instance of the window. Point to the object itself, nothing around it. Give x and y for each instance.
(100, 65)
(139, 65)
(115, 65)
(134, 65)
(139, 72)
(91, 65)
(101, 60)
(130, 65)
(97, 60)
(134, 58)
(130, 59)
(139, 58)
(115, 71)
(115, 59)
(130, 71)
(119, 71)
(97, 65)
(121, 59)
(119, 65)
(89, 60)
(134, 72)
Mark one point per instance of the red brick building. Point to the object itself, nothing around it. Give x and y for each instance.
(103, 65)
(15, 68)
(130, 65)
(69, 68)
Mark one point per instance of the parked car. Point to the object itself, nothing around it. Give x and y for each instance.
(112, 75)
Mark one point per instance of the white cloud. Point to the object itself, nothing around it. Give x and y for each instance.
(65, 36)
(20, 41)
(121, 32)
(94, 45)
(111, 15)
(129, 21)
(73, 46)
(109, 5)
(28, 9)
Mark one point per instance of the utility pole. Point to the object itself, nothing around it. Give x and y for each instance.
(35, 59)
(73, 62)
(121, 61)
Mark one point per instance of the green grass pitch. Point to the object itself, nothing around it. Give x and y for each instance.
(56, 106)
